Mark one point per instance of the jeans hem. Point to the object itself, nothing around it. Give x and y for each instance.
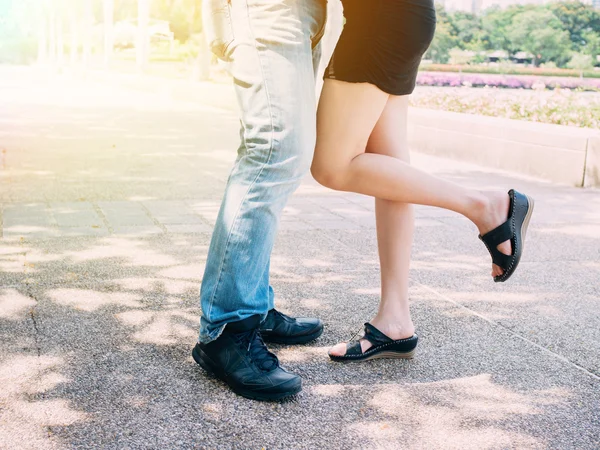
(207, 338)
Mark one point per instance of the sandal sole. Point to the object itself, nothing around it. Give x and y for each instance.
(525, 225)
(524, 228)
(380, 355)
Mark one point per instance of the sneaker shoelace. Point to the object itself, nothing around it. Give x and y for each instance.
(264, 359)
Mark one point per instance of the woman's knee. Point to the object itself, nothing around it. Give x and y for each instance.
(328, 175)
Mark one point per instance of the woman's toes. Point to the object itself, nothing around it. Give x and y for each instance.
(338, 349)
(496, 271)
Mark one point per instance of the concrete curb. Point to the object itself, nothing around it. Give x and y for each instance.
(561, 154)
(592, 163)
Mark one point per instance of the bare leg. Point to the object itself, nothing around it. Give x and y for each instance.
(395, 226)
(348, 114)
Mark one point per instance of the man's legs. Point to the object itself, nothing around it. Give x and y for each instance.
(271, 61)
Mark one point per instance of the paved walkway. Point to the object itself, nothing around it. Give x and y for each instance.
(107, 198)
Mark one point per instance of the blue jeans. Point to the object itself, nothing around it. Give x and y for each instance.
(273, 51)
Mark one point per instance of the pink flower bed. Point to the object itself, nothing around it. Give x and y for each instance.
(453, 79)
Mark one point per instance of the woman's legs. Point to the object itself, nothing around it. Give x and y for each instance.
(395, 225)
(348, 114)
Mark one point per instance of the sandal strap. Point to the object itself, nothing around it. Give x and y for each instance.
(353, 348)
(501, 260)
(497, 236)
(373, 335)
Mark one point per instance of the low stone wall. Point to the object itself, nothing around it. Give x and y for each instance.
(555, 153)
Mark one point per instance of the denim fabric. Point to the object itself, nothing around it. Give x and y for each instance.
(273, 51)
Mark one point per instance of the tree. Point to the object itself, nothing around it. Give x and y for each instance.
(592, 45)
(87, 23)
(108, 17)
(467, 29)
(20, 22)
(578, 19)
(143, 39)
(443, 41)
(184, 16)
(581, 62)
(494, 25)
(539, 32)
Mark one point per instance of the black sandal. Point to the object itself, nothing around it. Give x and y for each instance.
(514, 229)
(383, 347)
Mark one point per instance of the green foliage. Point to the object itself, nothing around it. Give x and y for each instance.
(439, 51)
(578, 19)
(549, 65)
(467, 28)
(539, 32)
(18, 31)
(184, 16)
(18, 50)
(580, 62)
(592, 44)
(549, 32)
(444, 39)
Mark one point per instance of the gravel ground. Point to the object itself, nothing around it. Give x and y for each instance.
(96, 330)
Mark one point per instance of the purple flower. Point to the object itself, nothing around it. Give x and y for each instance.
(454, 79)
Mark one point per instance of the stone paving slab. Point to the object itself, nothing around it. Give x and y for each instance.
(178, 227)
(27, 215)
(166, 208)
(64, 219)
(93, 230)
(136, 230)
(123, 214)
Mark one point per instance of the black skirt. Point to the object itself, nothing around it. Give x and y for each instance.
(383, 42)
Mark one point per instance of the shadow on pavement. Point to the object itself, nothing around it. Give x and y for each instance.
(103, 358)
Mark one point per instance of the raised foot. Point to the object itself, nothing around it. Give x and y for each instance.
(511, 232)
(494, 212)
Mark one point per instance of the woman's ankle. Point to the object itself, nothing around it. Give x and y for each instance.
(394, 328)
(492, 212)
(478, 207)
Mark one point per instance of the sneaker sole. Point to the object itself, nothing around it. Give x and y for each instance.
(292, 340)
(205, 362)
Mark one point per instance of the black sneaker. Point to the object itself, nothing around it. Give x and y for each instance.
(241, 359)
(282, 329)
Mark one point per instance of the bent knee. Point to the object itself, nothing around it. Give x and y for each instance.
(328, 176)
